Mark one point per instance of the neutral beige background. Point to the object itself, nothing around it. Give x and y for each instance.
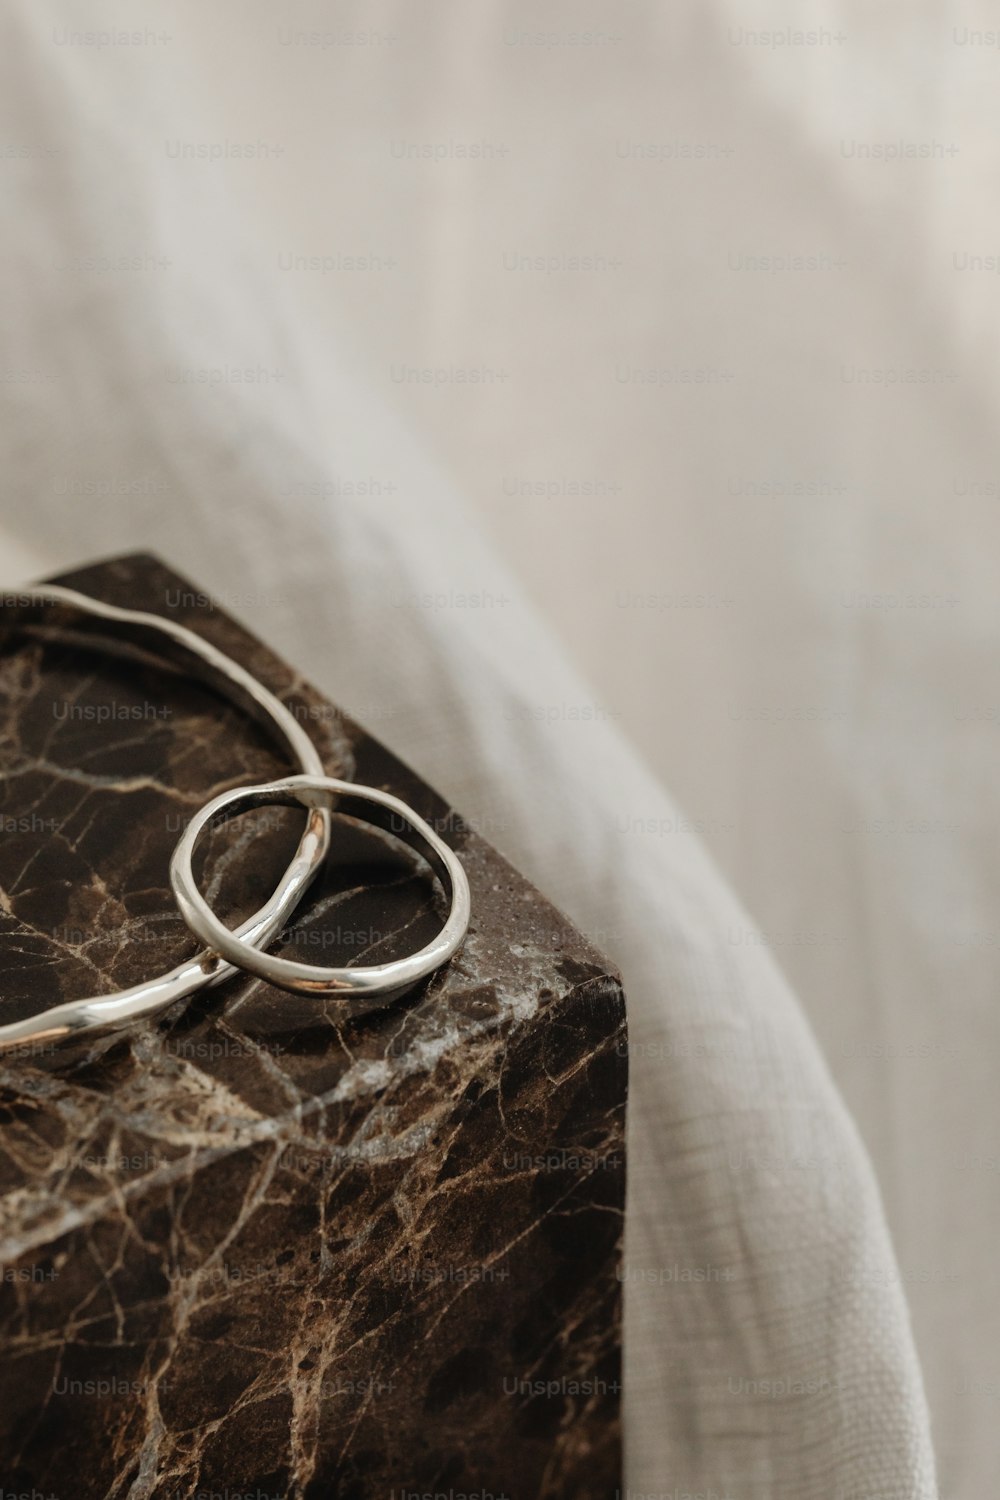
(781, 573)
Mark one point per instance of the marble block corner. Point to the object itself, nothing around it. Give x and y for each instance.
(248, 1248)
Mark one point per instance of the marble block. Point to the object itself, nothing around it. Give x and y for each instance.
(250, 1248)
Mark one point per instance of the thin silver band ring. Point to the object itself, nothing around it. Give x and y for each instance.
(167, 638)
(368, 805)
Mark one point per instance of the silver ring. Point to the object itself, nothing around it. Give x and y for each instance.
(365, 804)
(110, 1011)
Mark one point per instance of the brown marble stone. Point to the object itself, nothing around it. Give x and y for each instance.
(246, 1247)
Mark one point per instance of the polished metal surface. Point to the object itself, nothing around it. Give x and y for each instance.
(367, 805)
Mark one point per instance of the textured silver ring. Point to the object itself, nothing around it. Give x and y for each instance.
(167, 639)
(367, 805)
